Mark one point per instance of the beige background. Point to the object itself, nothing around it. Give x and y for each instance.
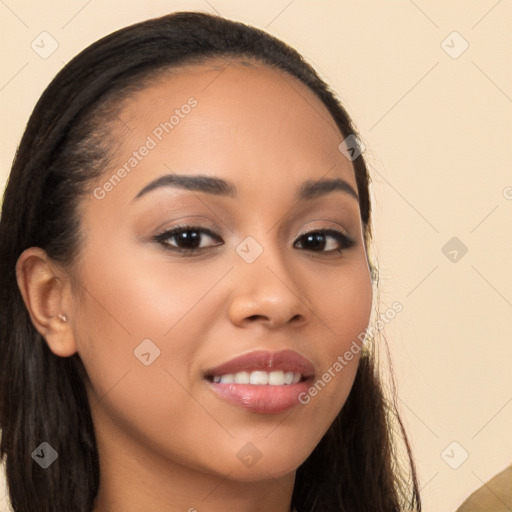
(437, 131)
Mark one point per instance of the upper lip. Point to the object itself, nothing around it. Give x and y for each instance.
(285, 360)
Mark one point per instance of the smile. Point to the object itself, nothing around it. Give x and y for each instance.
(262, 382)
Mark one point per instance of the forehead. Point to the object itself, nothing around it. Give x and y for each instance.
(240, 120)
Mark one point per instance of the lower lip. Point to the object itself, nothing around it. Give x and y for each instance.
(264, 399)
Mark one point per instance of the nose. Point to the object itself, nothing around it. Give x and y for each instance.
(267, 292)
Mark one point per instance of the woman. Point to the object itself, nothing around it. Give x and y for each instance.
(187, 288)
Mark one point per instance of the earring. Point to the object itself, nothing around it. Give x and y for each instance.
(63, 317)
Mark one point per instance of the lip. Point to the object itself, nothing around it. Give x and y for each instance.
(263, 399)
(285, 360)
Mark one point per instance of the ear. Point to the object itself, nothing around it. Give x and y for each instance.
(46, 291)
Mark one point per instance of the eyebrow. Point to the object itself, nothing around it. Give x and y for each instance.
(310, 189)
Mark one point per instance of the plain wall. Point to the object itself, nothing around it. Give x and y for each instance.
(437, 127)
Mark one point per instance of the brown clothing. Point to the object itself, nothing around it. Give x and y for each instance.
(494, 496)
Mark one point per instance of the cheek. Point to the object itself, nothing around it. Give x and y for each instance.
(344, 305)
(347, 304)
(137, 314)
(137, 296)
(343, 299)
(140, 328)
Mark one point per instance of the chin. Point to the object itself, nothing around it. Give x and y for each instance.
(253, 465)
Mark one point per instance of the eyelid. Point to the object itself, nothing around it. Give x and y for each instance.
(161, 236)
(186, 227)
(183, 221)
(329, 224)
(325, 229)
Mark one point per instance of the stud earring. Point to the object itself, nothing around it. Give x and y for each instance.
(63, 317)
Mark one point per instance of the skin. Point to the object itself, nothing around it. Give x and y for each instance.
(166, 442)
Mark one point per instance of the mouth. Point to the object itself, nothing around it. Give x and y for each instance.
(262, 382)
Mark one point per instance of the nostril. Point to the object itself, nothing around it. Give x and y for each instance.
(256, 317)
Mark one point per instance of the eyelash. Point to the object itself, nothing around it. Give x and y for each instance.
(345, 242)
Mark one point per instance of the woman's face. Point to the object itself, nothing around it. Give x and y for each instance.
(268, 269)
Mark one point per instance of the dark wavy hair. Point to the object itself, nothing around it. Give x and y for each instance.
(65, 148)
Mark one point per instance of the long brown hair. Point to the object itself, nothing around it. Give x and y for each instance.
(63, 150)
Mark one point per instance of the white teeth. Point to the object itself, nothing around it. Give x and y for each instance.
(288, 377)
(242, 378)
(276, 378)
(259, 378)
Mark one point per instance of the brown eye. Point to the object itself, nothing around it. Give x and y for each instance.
(188, 239)
(328, 240)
